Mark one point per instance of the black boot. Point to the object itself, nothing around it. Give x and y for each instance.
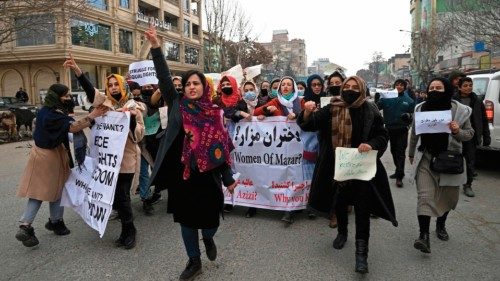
(192, 269)
(339, 242)
(361, 256)
(210, 248)
(26, 234)
(422, 243)
(441, 232)
(58, 227)
(147, 207)
(127, 236)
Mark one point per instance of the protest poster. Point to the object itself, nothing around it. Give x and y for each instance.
(143, 72)
(387, 94)
(268, 156)
(350, 164)
(90, 188)
(432, 122)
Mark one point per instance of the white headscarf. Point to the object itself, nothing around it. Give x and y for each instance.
(287, 103)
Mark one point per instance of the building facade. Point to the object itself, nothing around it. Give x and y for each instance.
(289, 56)
(399, 66)
(104, 38)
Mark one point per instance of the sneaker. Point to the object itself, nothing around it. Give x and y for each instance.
(155, 198)
(468, 190)
(58, 227)
(193, 268)
(26, 234)
(287, 217)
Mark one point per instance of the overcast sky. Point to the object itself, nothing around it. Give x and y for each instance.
(346, 32)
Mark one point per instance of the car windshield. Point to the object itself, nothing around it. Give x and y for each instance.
(480, 85)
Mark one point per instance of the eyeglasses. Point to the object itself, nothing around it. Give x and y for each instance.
(316, 85)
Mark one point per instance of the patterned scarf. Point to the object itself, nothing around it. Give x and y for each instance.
(206, 139)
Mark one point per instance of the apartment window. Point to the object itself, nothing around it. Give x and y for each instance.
(124, 4)
(172, 51)
(35, 30)
(191, 55)
(172, 20)
(196, 30)
(90, 34)
(186, 4)
(99, 4)
(187, 32)
(126, 42)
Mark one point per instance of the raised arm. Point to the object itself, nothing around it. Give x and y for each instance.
(165, 83)
(82, 79)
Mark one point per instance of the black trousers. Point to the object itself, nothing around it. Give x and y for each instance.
(399, 141)
(355, 193)
(469, 152)
(122, 198)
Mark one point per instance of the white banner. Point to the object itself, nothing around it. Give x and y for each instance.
(387, 94)
(268, 157)
(432, 122)
(350, 164)
(90, 189)
(143, 72)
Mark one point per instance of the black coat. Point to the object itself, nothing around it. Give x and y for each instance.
(373, 132)
(198, 201)
(478, 119)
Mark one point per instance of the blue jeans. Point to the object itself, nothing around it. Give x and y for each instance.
(144, 179)
(191, 240)
(56, 211)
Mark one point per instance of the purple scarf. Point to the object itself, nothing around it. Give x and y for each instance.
(205, 139)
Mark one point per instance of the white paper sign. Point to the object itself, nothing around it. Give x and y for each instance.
(252, 71)
(384, 94)
(90, 189)
(353, 165)
(143, 72)
(432, 122)
(324, 101)
(268, 155)
(235, 71)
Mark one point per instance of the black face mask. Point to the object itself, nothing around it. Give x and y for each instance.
(68, 104)
(179, 90)
(334, 90)
(227, 90)
(350, 96)
(263, 92)
(117, 96)
(438, 98)
(147, 93)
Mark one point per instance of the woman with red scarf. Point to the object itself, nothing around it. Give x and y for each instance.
(193, 158)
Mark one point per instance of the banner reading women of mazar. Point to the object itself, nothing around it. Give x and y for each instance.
(268, 156)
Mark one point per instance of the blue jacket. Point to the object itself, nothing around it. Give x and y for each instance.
(394, 108)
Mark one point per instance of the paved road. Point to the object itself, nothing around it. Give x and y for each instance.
(260, 248)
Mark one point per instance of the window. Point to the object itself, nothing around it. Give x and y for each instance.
(99, 4)
(187, 32)
(192, 55)
(90, 71)
(126, 42)
(172, 20)
(186, 4)
(35, 30)
(172, 51)
(124, 4)
(196, 30)
(91, 34)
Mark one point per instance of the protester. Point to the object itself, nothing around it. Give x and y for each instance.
(301, 88)
(350, 120)
(21, 95)
(437, 192)
(315, 89)
(397, 118)
(274, 88)
(409, 90)
(195, 172)
(49, 163)
(454, 78)
(335, 82)
(479, 123)
(117, 93)
(264, 92)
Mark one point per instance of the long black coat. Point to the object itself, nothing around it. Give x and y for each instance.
(198, 201)
(323, 188)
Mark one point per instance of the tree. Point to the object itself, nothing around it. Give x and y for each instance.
(477, 20)
(375, 65)
(34, 16)
(247, 53)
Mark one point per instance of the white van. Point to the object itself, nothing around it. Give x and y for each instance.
(487, 87)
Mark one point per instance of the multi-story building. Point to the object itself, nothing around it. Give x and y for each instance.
(104, 38)
(323, 66)
(289, 56)
(399, 66)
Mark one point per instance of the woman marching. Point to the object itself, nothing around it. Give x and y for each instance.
(49, 162)
(117, 93)
(350, 120)
(438, 192)
(193, 158)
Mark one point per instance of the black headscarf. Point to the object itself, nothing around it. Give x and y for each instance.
(54, 93)
(436, 143)
(309, 95)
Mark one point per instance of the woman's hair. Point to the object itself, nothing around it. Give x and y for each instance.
(463, 80)
(59, 89)
(448, 88)
(302, 83)
(190, 73)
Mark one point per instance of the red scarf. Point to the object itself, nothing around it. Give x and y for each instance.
(232, 99)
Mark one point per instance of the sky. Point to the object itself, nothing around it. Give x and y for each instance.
(347, 32)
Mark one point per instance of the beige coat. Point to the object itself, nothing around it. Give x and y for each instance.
(132, 154)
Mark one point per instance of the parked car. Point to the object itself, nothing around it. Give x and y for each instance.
(8, 103)
(487, 87)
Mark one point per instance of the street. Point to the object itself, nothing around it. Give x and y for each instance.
(260, 248)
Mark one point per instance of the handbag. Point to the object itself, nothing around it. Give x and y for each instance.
(448, 162)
